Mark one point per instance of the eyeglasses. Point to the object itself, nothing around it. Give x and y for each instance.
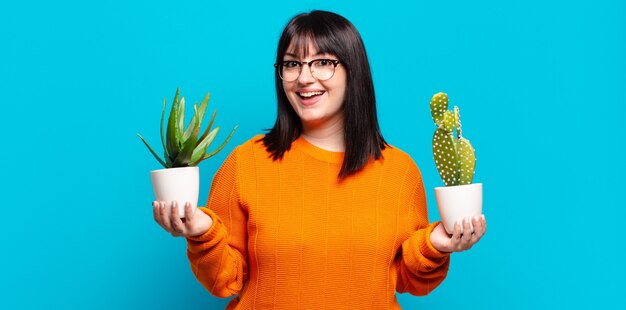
(321, 69)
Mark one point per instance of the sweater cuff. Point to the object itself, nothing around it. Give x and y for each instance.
(426, 248)
(213, 232)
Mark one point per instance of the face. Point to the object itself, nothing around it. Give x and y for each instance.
(317, 103)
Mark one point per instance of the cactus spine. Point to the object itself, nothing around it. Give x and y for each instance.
(455, 157)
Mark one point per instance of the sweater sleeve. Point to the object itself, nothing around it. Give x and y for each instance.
(218, 257)
(420, 266)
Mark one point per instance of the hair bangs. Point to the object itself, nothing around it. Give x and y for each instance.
(299, 44)
(310, 32)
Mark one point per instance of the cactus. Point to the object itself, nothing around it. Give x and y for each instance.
(454, 157)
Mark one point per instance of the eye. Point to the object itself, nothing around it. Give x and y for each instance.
(324, 63)
(290, 64)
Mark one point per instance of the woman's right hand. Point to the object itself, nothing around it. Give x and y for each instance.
(195, 222)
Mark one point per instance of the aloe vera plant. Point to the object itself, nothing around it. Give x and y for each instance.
(455, 157)
(185, 147)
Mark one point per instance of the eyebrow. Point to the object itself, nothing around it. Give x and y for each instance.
(296, 56)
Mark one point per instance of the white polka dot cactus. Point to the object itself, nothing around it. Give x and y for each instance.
(454, 157)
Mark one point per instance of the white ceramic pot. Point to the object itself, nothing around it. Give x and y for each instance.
(177, 184)
(458, 202)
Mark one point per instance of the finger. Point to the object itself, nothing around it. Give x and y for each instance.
(158, 217)
(155, 211)
(479, 229)
(484, 221)
(174, 212)
(165, 216)
(456, 236)
(467, 234)
(188, 212)
(480, 226)
(456, 233)
(177, 224)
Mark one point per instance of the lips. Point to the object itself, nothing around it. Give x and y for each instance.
(309, 94)
(309, 97)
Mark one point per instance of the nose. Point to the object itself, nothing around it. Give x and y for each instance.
(306, 76)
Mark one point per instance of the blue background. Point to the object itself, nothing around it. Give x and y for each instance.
(541, 90)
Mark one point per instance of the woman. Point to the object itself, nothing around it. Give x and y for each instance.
(319, 213)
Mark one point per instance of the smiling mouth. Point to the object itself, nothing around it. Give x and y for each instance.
(311, 94)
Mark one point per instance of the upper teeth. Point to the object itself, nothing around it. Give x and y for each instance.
(311, 94)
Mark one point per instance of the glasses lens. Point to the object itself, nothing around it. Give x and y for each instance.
(289, 71)
(323, 69)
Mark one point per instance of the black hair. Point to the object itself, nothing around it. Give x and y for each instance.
(333, 34)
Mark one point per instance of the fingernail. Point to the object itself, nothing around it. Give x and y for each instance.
(483, 216)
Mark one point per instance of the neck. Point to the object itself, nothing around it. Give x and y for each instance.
(329, 136)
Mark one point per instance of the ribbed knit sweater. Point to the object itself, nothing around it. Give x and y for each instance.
(289, 234)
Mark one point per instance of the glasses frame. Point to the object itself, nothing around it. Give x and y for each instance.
(301, 64)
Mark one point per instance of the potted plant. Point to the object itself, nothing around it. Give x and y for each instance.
(456, 160)
(184, 148)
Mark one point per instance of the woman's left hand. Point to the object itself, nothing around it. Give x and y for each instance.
(463, 237)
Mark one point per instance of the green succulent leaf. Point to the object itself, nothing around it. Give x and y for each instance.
(165, 152)
(209, 155)
(184, 157)
(203, 146)
(192, 123)
(152, 151)
(172, 137)
(202, 109)
(180, 122)
(208, 129)
(212, 119)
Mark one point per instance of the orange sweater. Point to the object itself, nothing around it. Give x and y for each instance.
(290, 235)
